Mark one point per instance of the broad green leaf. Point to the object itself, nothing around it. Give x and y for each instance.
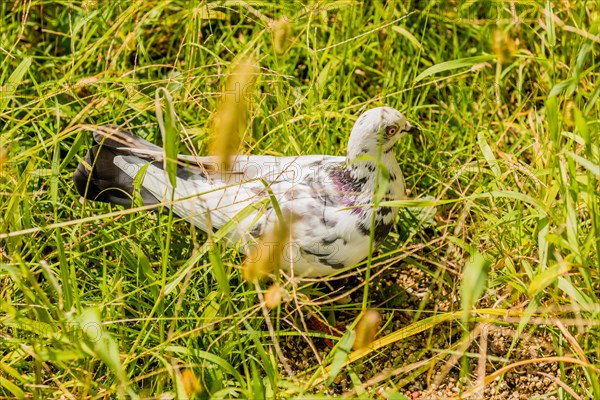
(35, 327)
(357, 384)
(474, 281)
(340, 354)
(583, 54)
(454, 64)
(218, 269)
(581, 124)
(578, 297)
(530, 310)
(409, 36)
(105, 348)
(569, 200)
(545, 278)
(82, 21)
(208, 13)
(560, 86)
(323, 77)
(145, 276)
(258, 388)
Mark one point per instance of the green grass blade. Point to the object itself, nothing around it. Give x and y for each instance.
(8, 89)
(167, 122)
(587, 164)
(233, 223)
(340, 354)
(216, 263)
(550, 28)
(208, 357)
(103, 344)
(488, 154)
(12, 388)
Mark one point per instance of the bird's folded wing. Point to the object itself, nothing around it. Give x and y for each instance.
(202, 186)
(243, 167)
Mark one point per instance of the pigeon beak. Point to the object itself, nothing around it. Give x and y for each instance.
(412, 129)
(415, 132)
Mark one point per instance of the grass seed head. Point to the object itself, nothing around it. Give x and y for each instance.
(230, 119)
(367, 329)
(569, 114)
(273, 296)
(259, 262)
(504, 46)
(3, 158)
(89, 5)
(282, 34)
(191, 384)
(265, 256)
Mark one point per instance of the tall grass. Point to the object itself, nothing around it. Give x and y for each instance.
(97, 301)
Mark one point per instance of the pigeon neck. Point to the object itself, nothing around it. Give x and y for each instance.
(361, 173)
(373, 152)
(365, 163)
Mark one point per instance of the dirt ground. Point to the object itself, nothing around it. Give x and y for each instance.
(428, 365)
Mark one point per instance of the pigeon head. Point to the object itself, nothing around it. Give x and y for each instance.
(375, 128)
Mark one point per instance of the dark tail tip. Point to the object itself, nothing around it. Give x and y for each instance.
(98, 178)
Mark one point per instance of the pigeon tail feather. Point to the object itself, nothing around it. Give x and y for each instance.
(99, 178)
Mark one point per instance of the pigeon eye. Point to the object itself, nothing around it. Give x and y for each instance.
(391, 131)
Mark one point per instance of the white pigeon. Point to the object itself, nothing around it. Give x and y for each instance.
(331, 198)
